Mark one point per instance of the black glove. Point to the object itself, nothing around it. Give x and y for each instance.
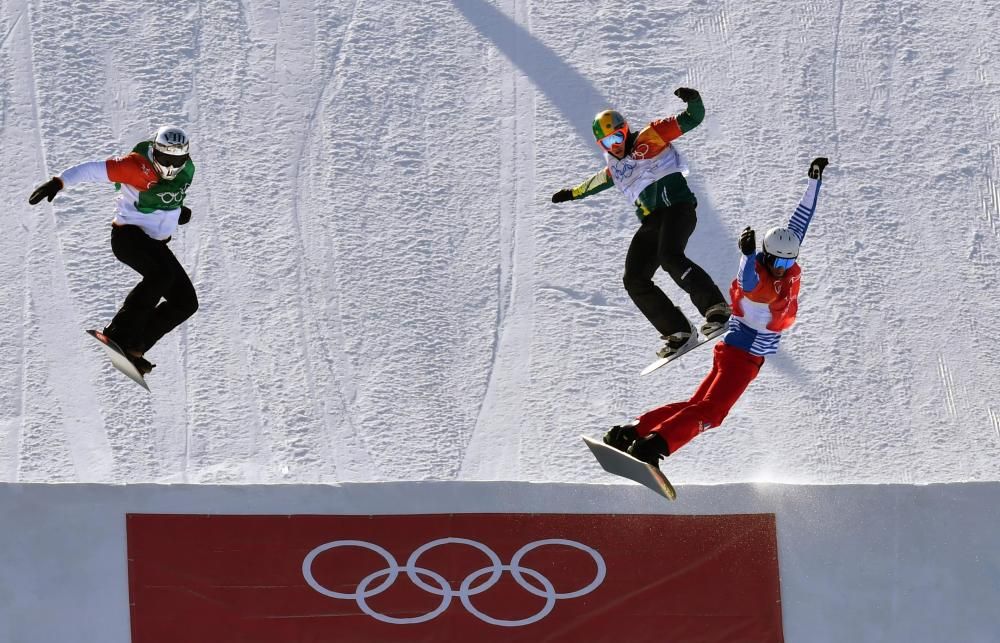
(185, 215)
(687, 94)
(748, 241)
(562, 195)
(47, 190)
(816, 167)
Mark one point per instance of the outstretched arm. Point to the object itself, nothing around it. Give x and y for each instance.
(803, 214)
(597, 183)
(132, 169)
(88, 172)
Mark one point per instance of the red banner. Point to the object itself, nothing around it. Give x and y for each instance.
(463, 577)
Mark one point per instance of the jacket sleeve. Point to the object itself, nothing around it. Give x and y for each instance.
(805, 210)
(747, 276)
(675, 126)
(88, 172)
(691, 117)
(132, 170)
(597, 183)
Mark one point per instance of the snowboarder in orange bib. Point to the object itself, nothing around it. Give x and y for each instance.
(152, 182)
(765, 302)
(649, 171)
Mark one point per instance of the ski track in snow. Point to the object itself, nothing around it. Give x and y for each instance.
(387, 292)
(833, 76)
(70, 424)
(13, 363)
(350, 459)
(501, 423)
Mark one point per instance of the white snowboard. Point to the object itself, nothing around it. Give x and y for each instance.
(663, 361)
(118, 358)
(622, 464)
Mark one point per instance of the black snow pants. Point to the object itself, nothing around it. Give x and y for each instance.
(143, 319)
(660, 243)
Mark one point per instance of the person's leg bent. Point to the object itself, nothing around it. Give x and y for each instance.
(734, 369)
(180, 302)
(138, 251)
(709, 379)
(641, 263)
(654, 418)
(679, 222)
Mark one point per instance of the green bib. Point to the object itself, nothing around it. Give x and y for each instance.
(165, 195)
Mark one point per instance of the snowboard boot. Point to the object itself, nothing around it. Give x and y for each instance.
(122, 340)
(112, 333)
(135, 356)
(141, 363)
(621, 436)
(650, 449)
(716, 318)
(676, 342)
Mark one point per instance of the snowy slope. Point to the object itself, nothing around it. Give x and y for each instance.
(387, 292)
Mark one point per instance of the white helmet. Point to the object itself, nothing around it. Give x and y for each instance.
(782, 243)
(169, 151)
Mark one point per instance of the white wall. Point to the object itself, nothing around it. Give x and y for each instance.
(858, 563)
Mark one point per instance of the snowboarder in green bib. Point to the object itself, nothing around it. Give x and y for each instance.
(649, 171)
(152, 182)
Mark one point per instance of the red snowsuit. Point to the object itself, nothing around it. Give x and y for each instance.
(732, 371)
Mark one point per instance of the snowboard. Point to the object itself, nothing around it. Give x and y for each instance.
(622, 464)
(702, 339)
(118, 358)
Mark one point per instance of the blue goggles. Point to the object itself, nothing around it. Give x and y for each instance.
(779, 262)
(614, 138)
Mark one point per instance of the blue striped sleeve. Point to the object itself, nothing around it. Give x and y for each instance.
(803, 214)
(747, 275)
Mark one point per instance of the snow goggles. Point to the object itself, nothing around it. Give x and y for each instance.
(616, 137)
(170, 160)
(779, 262)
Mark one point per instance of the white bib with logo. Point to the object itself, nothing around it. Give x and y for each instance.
(633, 175)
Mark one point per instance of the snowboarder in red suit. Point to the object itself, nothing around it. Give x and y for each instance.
(764, 302)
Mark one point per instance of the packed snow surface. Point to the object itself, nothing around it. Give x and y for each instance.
(387, 292)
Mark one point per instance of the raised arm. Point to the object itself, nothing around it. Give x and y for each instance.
(746, 276)
(803, 214)
(690, 118)
(694, 114)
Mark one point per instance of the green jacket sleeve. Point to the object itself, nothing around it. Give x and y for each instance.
(597, 183)
(691, 117)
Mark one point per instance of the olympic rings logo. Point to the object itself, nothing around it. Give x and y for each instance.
(442, 587)
(623, 168)
(169, 198)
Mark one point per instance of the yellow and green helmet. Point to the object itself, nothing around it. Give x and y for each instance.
(608, 122)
